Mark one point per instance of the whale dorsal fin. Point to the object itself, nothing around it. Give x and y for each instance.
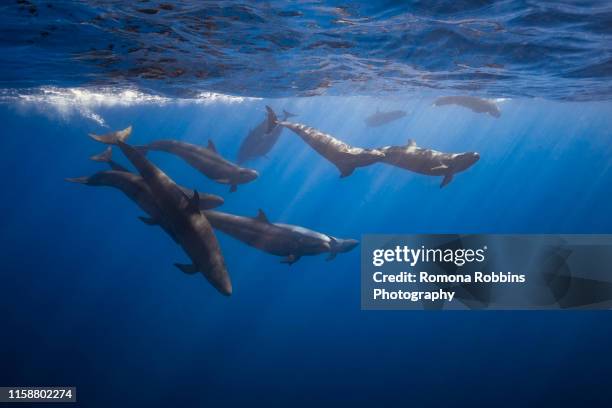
(411, 143)
(261, 216)
(211, 146)
(194, 202)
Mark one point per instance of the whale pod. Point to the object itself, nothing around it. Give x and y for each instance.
(183, 216)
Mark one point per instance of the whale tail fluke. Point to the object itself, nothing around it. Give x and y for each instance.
(79, 180)
(113, 137)
(272, 119)
(105, 157)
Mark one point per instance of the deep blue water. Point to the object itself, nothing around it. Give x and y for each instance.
(89, 295)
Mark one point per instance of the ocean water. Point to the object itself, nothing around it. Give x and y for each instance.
(89, 295)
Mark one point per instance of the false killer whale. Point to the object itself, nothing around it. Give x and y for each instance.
(205, 159)
(289, 241)
(136, 189)
(345, 157)
(182, 214)
(477, 105)
(428, 161)
(382, 118)
(259, 141)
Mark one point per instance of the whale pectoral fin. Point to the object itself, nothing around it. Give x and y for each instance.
(291, 259)
(345, 171)
(331, 256)
(149, 220)
(80, 180)
(261, 216)
(233, 188)
(211, 146)
(447, 179)
(187, 268)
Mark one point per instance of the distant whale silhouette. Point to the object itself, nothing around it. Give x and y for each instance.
(382, 118)
(429, 162)
(477, 105)
(182, 214)
(345, 157)
(289, 241)
(259, 141)
(206, 160)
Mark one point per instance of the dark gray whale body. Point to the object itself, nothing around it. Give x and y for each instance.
(429, 162)
(132, 185)
(206, 160)
(345, 157)
(135, 188)
(183, 217)
(477, 105)
(259, 141)
(289, 241)
(382, 118)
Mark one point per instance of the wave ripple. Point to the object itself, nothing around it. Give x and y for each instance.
(558, 50)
